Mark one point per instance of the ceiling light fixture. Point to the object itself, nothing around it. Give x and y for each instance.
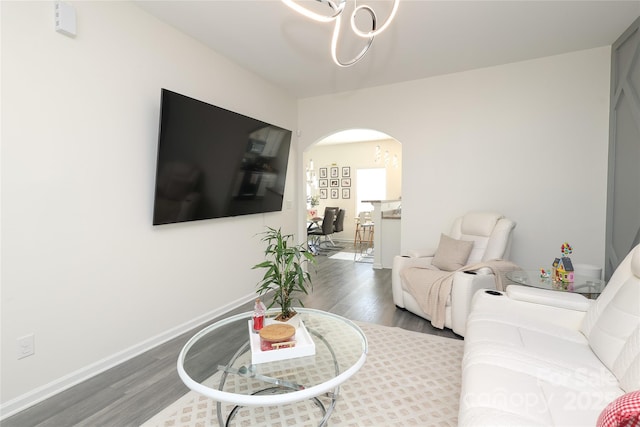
(338, 7)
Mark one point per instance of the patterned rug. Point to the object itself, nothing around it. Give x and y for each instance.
(353, 257)
(408, 379)
(344, 256)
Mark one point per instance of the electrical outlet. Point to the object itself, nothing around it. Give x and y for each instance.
(26, 346)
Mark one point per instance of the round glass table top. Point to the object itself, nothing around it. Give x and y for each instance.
(580, 285)
(217, 361)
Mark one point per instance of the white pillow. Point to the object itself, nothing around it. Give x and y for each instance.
(451, 254)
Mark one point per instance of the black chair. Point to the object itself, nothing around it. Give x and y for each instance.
(325, 229)
(338, 225)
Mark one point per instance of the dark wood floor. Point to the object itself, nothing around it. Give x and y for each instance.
(131, 393)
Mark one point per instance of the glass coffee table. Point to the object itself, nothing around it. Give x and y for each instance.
(217, 363)
(588, 286)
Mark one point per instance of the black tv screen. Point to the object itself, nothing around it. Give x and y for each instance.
(215, 163)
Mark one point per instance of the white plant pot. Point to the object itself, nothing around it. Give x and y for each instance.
(294, 321)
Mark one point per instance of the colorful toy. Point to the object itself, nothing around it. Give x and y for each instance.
(562, 268)
(544, 274)
(566, 249)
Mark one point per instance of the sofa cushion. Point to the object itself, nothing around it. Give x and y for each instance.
(612, 331)
(477, 227)
(627, 366)
(549, 352)
(627, 269)
(624, 411)
(479, 223)
(504, 385)
(451, 254)
(479, 247)
(489, 233)
(498, 246)
(520, 368)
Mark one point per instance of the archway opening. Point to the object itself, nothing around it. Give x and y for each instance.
(347, 168)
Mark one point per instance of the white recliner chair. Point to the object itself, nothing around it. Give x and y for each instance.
(491, 236)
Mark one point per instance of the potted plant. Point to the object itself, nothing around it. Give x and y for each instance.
(313, 201)
(285, 275)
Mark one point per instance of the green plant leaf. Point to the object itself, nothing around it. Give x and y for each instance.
(285, 269)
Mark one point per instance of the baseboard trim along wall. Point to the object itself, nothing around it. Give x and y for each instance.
(39, 394)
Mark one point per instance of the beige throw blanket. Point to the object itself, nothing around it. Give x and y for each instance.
(431, 287)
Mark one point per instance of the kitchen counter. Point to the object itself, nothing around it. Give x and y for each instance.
(386, 217)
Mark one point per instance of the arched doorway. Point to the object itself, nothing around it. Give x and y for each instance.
(331, 169)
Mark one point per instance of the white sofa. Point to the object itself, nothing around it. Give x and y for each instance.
(538, 357)
(491, 236)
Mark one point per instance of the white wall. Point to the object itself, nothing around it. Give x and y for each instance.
(527, 139)
(82, 267)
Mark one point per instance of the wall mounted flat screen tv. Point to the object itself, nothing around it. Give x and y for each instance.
(214, 163)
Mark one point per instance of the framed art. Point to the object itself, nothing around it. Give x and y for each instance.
(334, 172)
(346, 193)
(323, 183)
(334, 183)
(323, 193)
(346, 182)
(346, 172)
(334, 193)
(323, 172)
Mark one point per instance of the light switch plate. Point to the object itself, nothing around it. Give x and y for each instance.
(26, 346)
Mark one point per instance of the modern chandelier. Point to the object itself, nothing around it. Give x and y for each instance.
(337, 8)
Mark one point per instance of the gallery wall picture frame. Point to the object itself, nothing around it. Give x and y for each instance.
(323, 193)
(346, 172)
(334, 183)
(323, 183)
(323, 172)
(334, 172)
(334, 193)
(346, 193)
(345, 182)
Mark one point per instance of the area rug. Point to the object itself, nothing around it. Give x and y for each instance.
(350, 256)
(409, 379)
(346, 256)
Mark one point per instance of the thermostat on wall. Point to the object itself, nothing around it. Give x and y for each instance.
(65, 19)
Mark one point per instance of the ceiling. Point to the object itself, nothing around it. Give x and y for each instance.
(427, 38)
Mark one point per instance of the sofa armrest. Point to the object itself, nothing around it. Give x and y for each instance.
(566, 300)
(421, 253)
(399, 264)
(465, 285)
(484, 271)
(521, 311)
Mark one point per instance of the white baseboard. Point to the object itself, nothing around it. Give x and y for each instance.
(39, 394)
